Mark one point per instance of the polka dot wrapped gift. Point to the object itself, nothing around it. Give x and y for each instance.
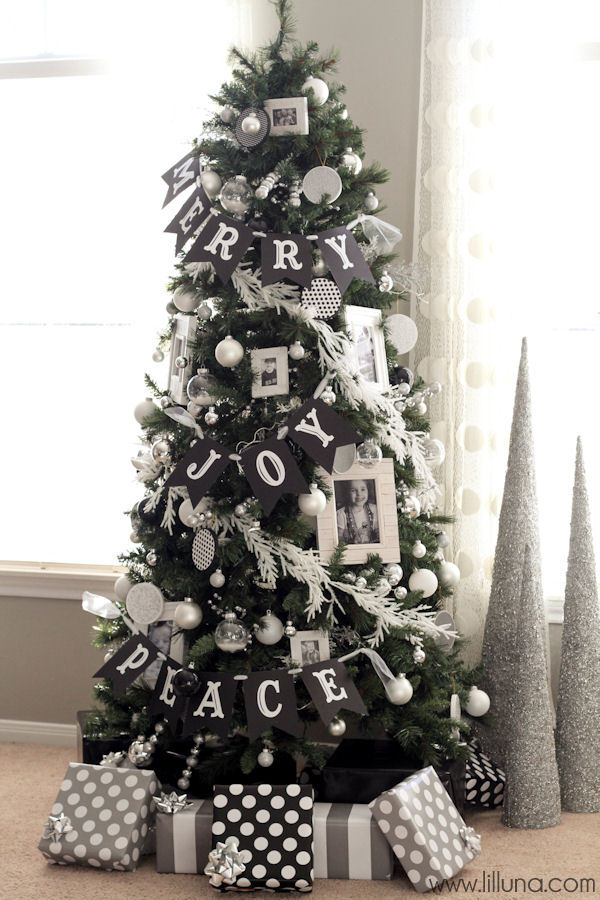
(101, 817)
(274, 830)
(425, 830)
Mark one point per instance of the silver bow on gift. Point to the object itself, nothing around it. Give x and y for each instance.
(225, 863)
(57, 826)
(112, 760)
(471, 839)
(171, 803)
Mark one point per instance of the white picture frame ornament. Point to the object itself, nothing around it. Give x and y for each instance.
(288, 115)
(388, 545)
(301, 656)
(182, 339)
(176, 648)
(259, 358)
(363, 318)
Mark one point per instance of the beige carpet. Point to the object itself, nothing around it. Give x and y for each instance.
(29, 780)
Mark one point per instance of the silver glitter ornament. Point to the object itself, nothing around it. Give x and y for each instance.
(265, 758)
(328, 396)
(321, 181)
(165, 401)
(578, 713)
(181, 362)
(337, 727)
(140, 751)
(518, 526)
(158, 355)
(419, 655)
(532, 794)
(361, 582)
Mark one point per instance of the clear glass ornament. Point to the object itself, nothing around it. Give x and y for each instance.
(231, 635)
(199, 387)
(368, 454)
(236, 196)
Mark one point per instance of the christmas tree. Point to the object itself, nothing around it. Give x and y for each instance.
(290, 510)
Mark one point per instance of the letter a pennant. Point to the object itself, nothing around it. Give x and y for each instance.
(320, 431)
(199, 468)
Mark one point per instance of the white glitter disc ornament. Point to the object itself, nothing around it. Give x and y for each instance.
(322, 181)
(204, 548)
(144, 603)
(402, 332)
(323, 296)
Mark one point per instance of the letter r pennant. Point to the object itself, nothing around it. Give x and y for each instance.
(222, 242)
(320, 431)
(199, 468)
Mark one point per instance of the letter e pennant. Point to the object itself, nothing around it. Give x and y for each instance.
(332, 689)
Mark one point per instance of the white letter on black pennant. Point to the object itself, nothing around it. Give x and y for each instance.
(320, 431)
(189, 218)
(199, 468)
(286, 256)
(212, 705)
(270, 701)
(343, 256)
(272, 471)
(181, 175)
(332, 689)
(128, 662)
(164, 700)
(222, 242)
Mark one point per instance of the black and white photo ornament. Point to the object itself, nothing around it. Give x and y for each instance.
(211, 707)
(321, 182)
(223, 242)
(270, 701)
(128, 663)
(332, 689)
(320, 431)
(343, 255)
(199, 468)
(286, 256)
(252, 127)
(144, 603)
(323, 296)
(204, 547)
(272, 471)
(180, 176)
(189, 218)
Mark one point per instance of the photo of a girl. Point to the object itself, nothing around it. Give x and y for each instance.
(356, 511)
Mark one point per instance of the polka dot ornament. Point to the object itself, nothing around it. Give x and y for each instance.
(421, 810)
(113, 841)
(323, 296)
(484, 781)
(275, 833)
(204, 548)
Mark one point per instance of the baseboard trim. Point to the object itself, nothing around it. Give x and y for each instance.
(54, 734)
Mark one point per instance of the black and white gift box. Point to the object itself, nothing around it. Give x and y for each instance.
(349, 843)
(425, 830)
(274, 828)
(484, 781)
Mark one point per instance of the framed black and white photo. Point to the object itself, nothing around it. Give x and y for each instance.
(182, 339)
(288, 115)
(270, 372)
(366, 332)
(167, 637)
(361, 513)
(308, 647)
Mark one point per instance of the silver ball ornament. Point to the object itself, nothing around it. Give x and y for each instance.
(478, 702)
(204, 312)
(134, 537)
(211, 182)
(158, 355)
(211, 417)
(181, 362)
(361, 582)
(271, 629)
(400, 593)
(368, 454)
(191, 762)
(251, 124)
(160, 451)
(151, 557)
(384, 585)
(328, 396)
(265, 758)
(229, 352)
(140, 751)
(165, 401)
(236, 195)
(419, 655)
(188, 614)
(183, 783)
(319, 89)
(337, 727)
(296, 351)
(241, 509)
(199, 740)
(403, 389)
(352, 161)
(312, 504)
(186, 298)
(412, 506)
(144, 410)
(393, 573)
(423, 580)
(386, 283)
(421, 408)
(371, 202)
(290, 629)
(442, 540)
(449, 574)
(217, 579)
(231, 635)
(399, 691)
(226, 114)
(419, 550)
(435, 388)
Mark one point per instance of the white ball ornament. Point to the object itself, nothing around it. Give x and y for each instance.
(361, 582)
(265, 758)
(399, 691)
(271, 629)
(296, 351)
(226, 114)
(371, 202)
(442, 539)
(158, 355)
(351, 160)
(312, 504)
(423, 580)
(319, 89)
(229, 352)
(337, 727)
(251, 124)
(186, 299)
(478, 702)
(144, 410)
(187, 614)
(217, 579)
(449, 574)
(211, 182)
(419, 550)
(122, 587)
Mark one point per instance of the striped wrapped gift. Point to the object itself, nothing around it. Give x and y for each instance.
(183, 840)
(349, 844)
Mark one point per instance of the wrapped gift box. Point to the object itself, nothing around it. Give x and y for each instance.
(360, 770)
(425, 830)
(348, 843)
(484, 781)
(273, 826)
(183, 839)
(102, 816)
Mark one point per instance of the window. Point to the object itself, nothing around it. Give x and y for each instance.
(84, 258)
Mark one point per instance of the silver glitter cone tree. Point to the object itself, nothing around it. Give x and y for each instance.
(518, 527)
(532, 795)
(578, 716)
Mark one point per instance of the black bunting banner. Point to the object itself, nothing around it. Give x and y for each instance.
(165, 701)
(128, 663)
(343, 255)
(180, 176)
(222, 242)
(199, 468)
(270, 701)
(286, 256)
(272, 471)
(211, 707)
(189, 218)
(320, 431)
(332, 689)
